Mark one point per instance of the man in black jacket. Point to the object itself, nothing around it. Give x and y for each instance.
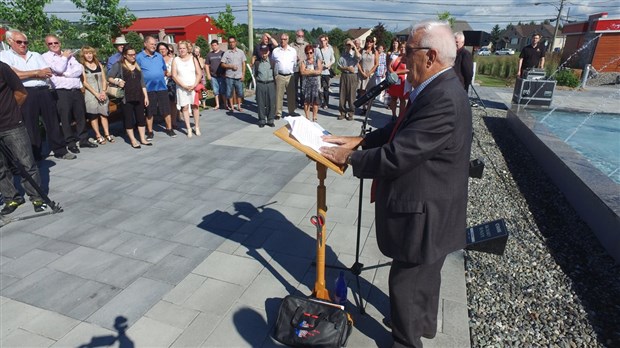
(463, 64)
(419, 164)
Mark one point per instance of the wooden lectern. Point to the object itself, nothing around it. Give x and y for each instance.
(322, 163)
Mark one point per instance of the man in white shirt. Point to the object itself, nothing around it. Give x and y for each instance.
(285, 58)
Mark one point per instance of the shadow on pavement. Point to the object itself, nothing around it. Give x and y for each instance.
(120, 324)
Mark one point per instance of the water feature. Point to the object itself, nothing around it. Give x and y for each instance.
(593, 135)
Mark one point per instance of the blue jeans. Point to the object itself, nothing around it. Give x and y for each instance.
(219, 85)
(234, 84)
(17, 142)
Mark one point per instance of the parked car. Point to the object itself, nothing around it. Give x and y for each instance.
(483, 51)
(505, 52)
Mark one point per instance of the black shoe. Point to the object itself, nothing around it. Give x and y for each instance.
(74, 149)
(271, 124)
(39, 206)
(11, 205)
(88, 144)
(147, 144)
(171, 133)
(261, 125)
(67, 156)
(149, 136)
(294, 114)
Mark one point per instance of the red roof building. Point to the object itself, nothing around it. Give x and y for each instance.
(177, 28)
(602, 37)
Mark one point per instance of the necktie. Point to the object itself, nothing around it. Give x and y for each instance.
(399, 120)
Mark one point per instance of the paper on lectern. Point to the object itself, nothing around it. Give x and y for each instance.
(308, 133)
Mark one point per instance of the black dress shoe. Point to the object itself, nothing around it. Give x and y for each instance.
(73, 149)
(147, 144)
(261, 125)
(271, 124)
(88, 144)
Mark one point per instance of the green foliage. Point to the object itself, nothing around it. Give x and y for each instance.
(504, 67)
(495, 35)
(445, 16)
(226, 21)
(313, 35)
(384, 37)
(336, 37)
(135, 40)
(28, 16)
(103, 20)
(566, 77)
(204, 45)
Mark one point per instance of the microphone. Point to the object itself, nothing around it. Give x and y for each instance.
(390, 79)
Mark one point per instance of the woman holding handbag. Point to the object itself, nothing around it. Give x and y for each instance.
(126, 74)
(325, 53)
(186, 73)
(95, 96)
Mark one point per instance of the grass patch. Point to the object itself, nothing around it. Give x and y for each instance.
(492, 81)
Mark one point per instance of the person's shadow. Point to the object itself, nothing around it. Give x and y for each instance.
(120, 324)
(293, 249)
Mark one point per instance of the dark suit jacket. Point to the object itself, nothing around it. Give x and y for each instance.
(421, 196)
(464, 67)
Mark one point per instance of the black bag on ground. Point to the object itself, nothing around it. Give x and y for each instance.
(308, 322)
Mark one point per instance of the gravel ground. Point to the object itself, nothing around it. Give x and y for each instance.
(604, 79)
(554, 286)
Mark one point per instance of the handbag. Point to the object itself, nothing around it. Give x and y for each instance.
(116, 91)
(332, 73)
(172, 88)
(309, 322)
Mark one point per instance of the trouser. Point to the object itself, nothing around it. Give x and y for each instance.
(325, 86)
(299, 92)
(348, 89)
(17, 142)
(414, 300)
(285, 83)
(131, 110)
(266, 101)
(71, 107)
(41, 102)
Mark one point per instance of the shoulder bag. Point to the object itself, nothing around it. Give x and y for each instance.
(115, 91)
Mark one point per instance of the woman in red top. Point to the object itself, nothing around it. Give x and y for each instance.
(397, 90)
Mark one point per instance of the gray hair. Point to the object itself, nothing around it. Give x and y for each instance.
(10, 33)
(437, 35)
(459, 36)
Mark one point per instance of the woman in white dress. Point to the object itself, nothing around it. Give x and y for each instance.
(186, 73)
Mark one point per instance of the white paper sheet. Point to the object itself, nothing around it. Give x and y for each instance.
(308, 133)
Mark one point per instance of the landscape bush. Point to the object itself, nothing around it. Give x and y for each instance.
(566, 77)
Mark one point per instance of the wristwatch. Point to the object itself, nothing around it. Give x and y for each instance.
(348, 160)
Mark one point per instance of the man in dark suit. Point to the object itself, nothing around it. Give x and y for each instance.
(419, 164)
(463, 64)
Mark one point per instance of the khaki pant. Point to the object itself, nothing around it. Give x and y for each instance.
(285, 83)
(348, 86)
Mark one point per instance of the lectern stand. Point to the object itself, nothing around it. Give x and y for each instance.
(322, 163)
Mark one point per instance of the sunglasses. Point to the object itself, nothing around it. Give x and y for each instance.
(20, 42)
(53, 43)
(309, 52)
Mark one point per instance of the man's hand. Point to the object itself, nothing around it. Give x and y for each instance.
(347, 142)
(67, 53)
(336, 154)
(44, 73)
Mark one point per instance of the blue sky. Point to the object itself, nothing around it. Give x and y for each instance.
(347, 14)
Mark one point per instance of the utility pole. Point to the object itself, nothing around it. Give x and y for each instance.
(251, 27)
(557, 25)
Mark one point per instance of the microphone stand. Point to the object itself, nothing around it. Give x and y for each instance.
(357, 267)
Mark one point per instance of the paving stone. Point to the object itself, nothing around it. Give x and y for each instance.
(16, 244)
(229, 268)
(6, 280)
(131, 303)
(455, 320)
(85, 297)
(198, 236)
(50, 324)
(23, 338)
(147, 332)
(87, 335)
(171, 314)
(172, 269)
(214, 296)
(88, 235)
(243, 326)
(185, 289)
(57, 247)
(14, 314)
(100, 266)
(264, 286)
(28, 263)
(145, 248)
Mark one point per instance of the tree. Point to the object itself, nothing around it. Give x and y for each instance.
(445, 16)
(336, 37)
(226, 21)
(203, 44)
(383, 36)
(135, 41)
(28, 16)
(103, 21)
(495, 35)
